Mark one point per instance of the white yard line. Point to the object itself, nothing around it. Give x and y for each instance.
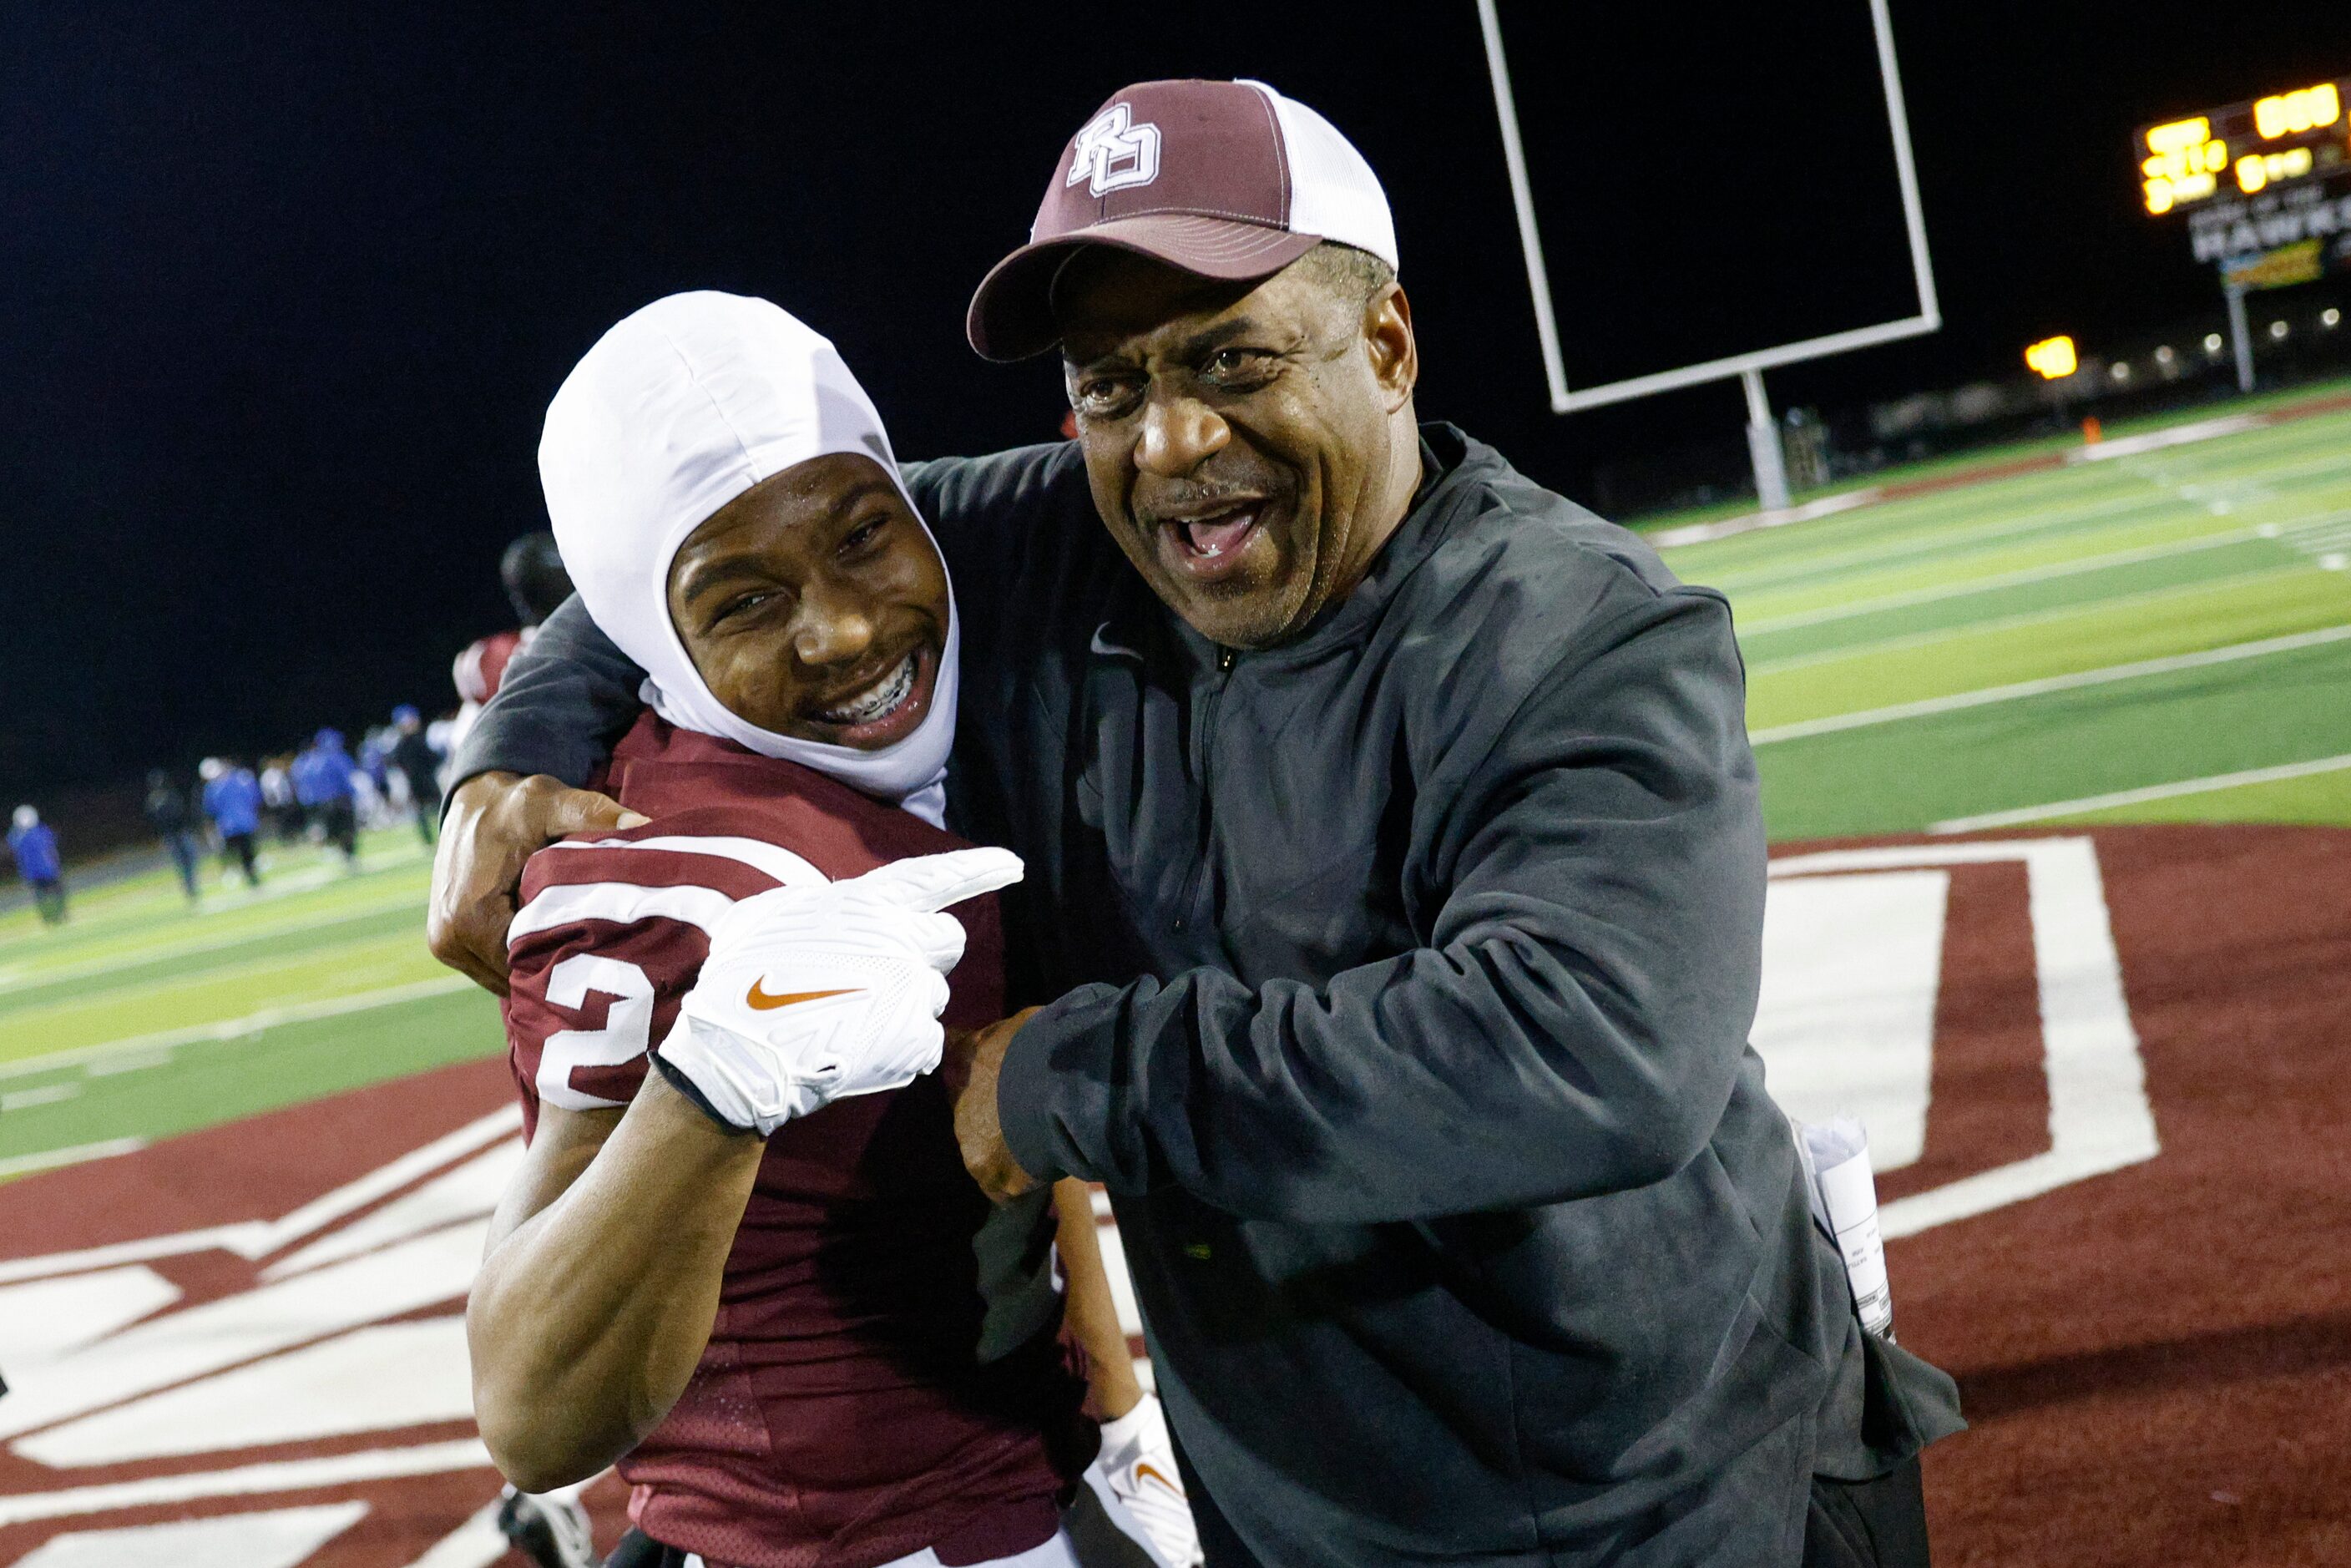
(1942, 539)
(248, 1480)
(2176, 435)
(2289, 566)
(18, 979)
(2016, 578)
(238, 1028)
(78, 1154)
(2135, 796)
(46, 1094)
(1833, 723)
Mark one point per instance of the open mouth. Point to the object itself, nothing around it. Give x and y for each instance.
(1210, 545)
(880, 710)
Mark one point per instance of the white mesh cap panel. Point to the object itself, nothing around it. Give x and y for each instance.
(1333, 190)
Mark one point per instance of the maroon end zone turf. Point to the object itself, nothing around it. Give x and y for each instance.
(2157, 1360)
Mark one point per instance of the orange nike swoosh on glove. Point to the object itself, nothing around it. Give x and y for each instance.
(1144, 1468)
(763, 1000)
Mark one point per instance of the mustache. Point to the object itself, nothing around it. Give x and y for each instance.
(1196, 496)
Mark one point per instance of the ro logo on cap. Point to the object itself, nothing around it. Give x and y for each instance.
(1113, 153)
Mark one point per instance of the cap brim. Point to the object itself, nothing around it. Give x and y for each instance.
(1012, 315)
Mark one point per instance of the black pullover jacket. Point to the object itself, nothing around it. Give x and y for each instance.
(1398, 984)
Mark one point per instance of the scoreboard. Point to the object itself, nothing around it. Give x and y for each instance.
(2285, 140)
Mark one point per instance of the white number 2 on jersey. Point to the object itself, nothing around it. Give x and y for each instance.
(627, 1032)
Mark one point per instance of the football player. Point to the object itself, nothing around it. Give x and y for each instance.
(536, 584)
(766, 1287)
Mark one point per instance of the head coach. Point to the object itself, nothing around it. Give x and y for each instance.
(1395, 884)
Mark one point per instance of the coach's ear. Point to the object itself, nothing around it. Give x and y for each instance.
(496, 823)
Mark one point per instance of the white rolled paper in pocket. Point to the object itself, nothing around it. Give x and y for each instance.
(1844, 1202)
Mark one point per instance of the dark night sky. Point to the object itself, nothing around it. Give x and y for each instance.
(287, 285)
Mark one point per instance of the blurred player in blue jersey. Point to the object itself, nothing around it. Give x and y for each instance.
(232, 798)
(322, 783)
(35, 849)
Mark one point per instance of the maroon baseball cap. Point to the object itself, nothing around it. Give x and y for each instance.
(1226, 179)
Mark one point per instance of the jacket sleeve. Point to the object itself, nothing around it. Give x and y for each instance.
(1572, 1028)
(564, 703)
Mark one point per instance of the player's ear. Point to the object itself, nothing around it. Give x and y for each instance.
(1388, 339)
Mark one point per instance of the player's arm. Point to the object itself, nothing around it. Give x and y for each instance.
(1092, 1312)
(601, 1284)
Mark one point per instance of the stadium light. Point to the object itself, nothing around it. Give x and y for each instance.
(2330, 316)
(2277, 328)
(2119, 370)
(2212, 343)
(2164, 355)
(2053, 358)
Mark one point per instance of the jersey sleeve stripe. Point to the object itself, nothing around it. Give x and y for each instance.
(622, 903)
(788, 869)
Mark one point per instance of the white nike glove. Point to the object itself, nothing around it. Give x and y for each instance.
(1136, 1468)
(812, 994)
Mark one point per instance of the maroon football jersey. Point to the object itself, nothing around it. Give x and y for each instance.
(482, 667)
(884, 1376)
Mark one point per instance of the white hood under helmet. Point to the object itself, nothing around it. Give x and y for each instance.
(676, 411)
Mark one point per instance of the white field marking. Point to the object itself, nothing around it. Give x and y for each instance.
(73, 1154)
(1945, 538)
(2015, 579)
(46, 1094)
(2010, 818)
(279, 1538)
(374, 1379)
(106, 964)
(772, 860)
(231, 1238)
(2099, 1117)
(46, 1318)
(259, 1238)
(115, 1065)
(2041, 617)
(214, 1335)
(1846, 1022)
(249, 975)
(469, 1191)
(1750, 522)
(2176, 435)
(2079, 679)
(249, 1480)
(1942, 539)
(477, 1543)
(387, 1178)
(250, 1024)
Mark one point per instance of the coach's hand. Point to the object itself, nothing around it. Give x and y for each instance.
(496, 822)
(972, 1062)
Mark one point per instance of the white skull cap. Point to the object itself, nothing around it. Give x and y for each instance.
(676, 411)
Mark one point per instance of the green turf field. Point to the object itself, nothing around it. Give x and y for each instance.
(2172, 628)
(2159, 636)
(141, 1017)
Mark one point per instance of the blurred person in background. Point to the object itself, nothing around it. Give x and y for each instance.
(167, 812)
(278, 799)
(413, 758)
(35, 849)
(536, 584)
(325, 783)
(232, 798)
